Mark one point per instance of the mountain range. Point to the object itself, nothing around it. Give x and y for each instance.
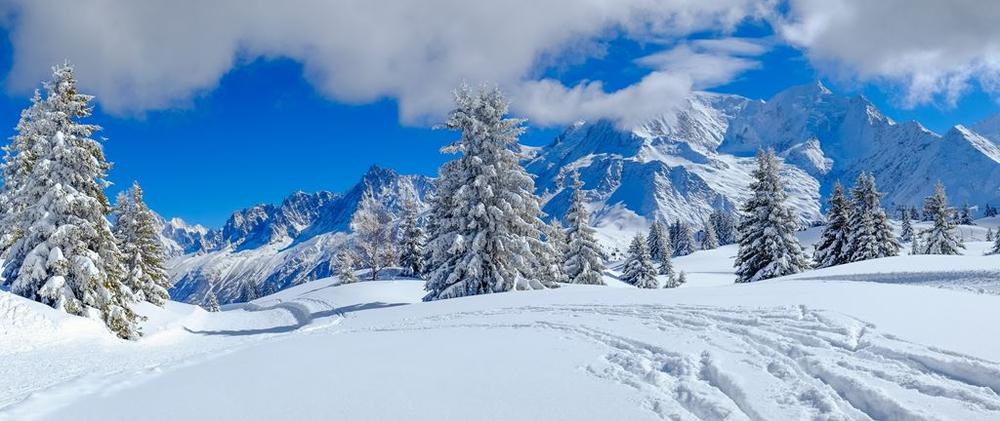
(677, 166)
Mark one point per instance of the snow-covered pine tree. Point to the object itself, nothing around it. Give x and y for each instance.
(666, 266)
(248, 291)
(211, 303)
(550, 252)
(725, 226)
(966, 216)
(658, 241)
(486, 239)
(989, 211)
(411, 241)
(584, 263)
(346, 264)
(18, 160)
(871, 234)
(373, 235)
(709, 241)
(989, 234)
(767, 244)
(66, 255)
(915, 246)
(940, 237)
(681, 278)
(639, 270)
(832, 247)
(996, 245)
(906, 228)
(684, 243)
(138, 238)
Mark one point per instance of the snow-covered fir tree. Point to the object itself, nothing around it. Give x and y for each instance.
(658, 241)
(684, 241)
(584, 263)
(989, 234)
(373, 235)
(965, 216)
(767, 244)
(550, 253)
(675, 280)
(996, 245)
(248, 291)
(346, 264)
(484, 242)
(666, 266)
(411, 241)
(211, 303)
(989, 211)
(833, 243)
(137, 232)
(940, 238)
(871, 234)
(65, 254)
(915, 246)
(709, 240)
(906, 228)
(725, 226)
(18, 160)
(639, 270)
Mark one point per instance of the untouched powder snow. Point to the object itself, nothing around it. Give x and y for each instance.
(819, 345)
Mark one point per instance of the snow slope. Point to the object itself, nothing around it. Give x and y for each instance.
(823, 344)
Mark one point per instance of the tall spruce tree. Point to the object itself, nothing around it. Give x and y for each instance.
(584, 263)
(684, 243)
(709, 240)
(137, 233)
(767, 244)
(411, 241)
(871, 234)
(18, 160)
(639, 270)
(65, 254)
(940, 237)
(725, 226)
(658, 241)
(832, 247)
(486, 240)
(906, 228)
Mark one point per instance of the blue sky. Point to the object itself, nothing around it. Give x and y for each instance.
(265, 129)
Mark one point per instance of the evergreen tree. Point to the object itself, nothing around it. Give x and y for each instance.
(639, 270)
(373, 239)
(65, 254)
(906, 229)
(211, 303)
(658, 242)
(411, 245)
(915, 246)
(666, 266)
(710, 241)
(137, 232)
(248, 291)
(996, 246)
(18, 160)
(989, 234)
(584, 258)
(485, 242)
(989, 211)
(725, 226)
(767, 244)
(940, 237)
(966, 216)
(550, 253)
(346, 264)
(832, 247)
(674, 281)
(684, 242)
(871, 236)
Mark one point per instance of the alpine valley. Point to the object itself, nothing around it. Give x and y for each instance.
(681, 165)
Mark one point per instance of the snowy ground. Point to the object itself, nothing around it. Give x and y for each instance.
(821, 345)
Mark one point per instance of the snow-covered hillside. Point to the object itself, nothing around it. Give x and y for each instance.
(272, 247)
(821, 345)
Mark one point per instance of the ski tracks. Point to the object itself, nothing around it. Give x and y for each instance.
(710, 363)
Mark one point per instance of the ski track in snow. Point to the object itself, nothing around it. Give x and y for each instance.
(710, 363)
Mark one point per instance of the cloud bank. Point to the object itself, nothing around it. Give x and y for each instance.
(158, 54)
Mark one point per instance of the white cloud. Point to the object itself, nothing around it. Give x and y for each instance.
(155, 54)
(934, 50)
